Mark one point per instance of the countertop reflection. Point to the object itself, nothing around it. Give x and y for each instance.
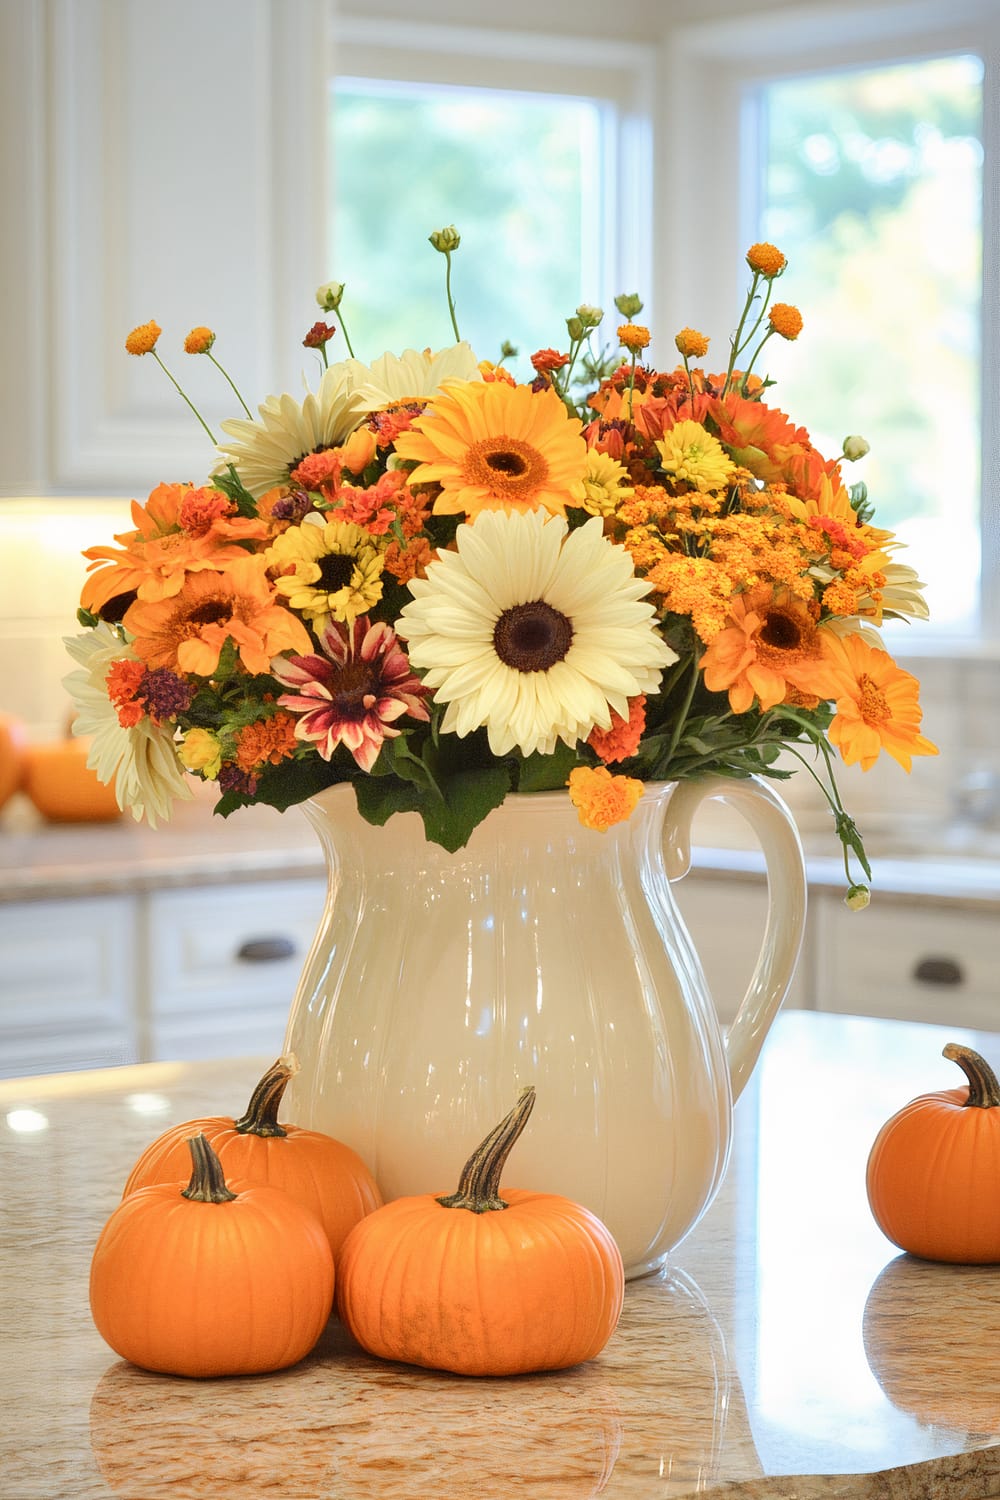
(789, 1350)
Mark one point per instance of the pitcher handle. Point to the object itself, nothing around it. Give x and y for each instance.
(778, 836)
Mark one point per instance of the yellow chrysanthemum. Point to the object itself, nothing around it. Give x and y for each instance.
(329, 571)
(689, 453)
(605, 484)
(492, 446)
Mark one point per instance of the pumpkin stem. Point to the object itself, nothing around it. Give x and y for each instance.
(207, 1184)
(261, 1117)
(479, 1185)
(984, 1089)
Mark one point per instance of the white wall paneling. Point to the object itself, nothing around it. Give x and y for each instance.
(168, 162)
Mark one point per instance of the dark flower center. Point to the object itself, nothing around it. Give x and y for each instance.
(116, 607)
(212, 612)
(506, 463)
(335, 571)
(781, 632)
(532, 637)
(353, 685)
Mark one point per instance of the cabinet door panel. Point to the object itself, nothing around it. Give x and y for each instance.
(918, 964)
(67, 984)
(224, 963)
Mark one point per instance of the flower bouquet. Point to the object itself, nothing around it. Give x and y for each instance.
(445, 584)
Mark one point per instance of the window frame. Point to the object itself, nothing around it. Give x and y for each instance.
(618, 76)
(737, 57)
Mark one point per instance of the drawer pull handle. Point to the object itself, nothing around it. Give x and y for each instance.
(265, 950)
(944, 971)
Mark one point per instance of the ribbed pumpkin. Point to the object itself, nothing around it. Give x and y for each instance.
(211, 1280)
(934, 1171)
(479, 1284)
(321, 1173)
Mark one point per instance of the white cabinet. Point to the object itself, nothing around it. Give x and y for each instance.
(68, 985)
(223, 963)
(913, 963)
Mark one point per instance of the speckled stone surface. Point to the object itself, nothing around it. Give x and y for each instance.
(789, 1351)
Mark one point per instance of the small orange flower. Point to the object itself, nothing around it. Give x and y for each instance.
(199, 341)
(546, 360)
(877, 704)
(142, 340)
(633, 337)
(786, 320)
(602, 799)
(691, 343)
(766, 259)
(622, 740)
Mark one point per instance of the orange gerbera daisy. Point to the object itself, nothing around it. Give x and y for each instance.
(180, 529)
(771, 644)
(188, 631)
(492, 446)
(877, 704)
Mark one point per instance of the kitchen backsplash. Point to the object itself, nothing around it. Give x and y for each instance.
(42, 570)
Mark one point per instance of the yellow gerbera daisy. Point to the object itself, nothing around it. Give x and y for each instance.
(492, 446)
(328, 571)
(690, 454)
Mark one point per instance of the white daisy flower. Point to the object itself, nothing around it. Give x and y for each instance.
(533, 631)
(142, 761)
(262, 452)
(411, 376)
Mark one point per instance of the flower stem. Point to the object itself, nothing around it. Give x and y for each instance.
(735, 342)
(343, 329)
(227, 375)
(451, 304)
(190, 403)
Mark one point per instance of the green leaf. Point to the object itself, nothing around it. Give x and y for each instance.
(546, 773)
(230, 484)
(292, 781)
(378, 797)
(467, 799)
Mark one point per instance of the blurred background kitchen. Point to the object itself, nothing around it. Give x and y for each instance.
(213, 163)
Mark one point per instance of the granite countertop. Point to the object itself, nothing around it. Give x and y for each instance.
(40, 860)
(788, 1351)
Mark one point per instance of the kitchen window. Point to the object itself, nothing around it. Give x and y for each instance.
(543, 179)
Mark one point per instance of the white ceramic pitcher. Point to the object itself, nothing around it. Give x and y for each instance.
(543, 952)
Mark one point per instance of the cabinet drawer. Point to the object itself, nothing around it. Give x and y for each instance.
(921, 964)
(67, 984)
(229, 949)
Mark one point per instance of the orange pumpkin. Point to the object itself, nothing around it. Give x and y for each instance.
(207, 1280)
(479, 1284)
(13, 743)
(63, 787)
(934, 1170)
(321, 1173)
